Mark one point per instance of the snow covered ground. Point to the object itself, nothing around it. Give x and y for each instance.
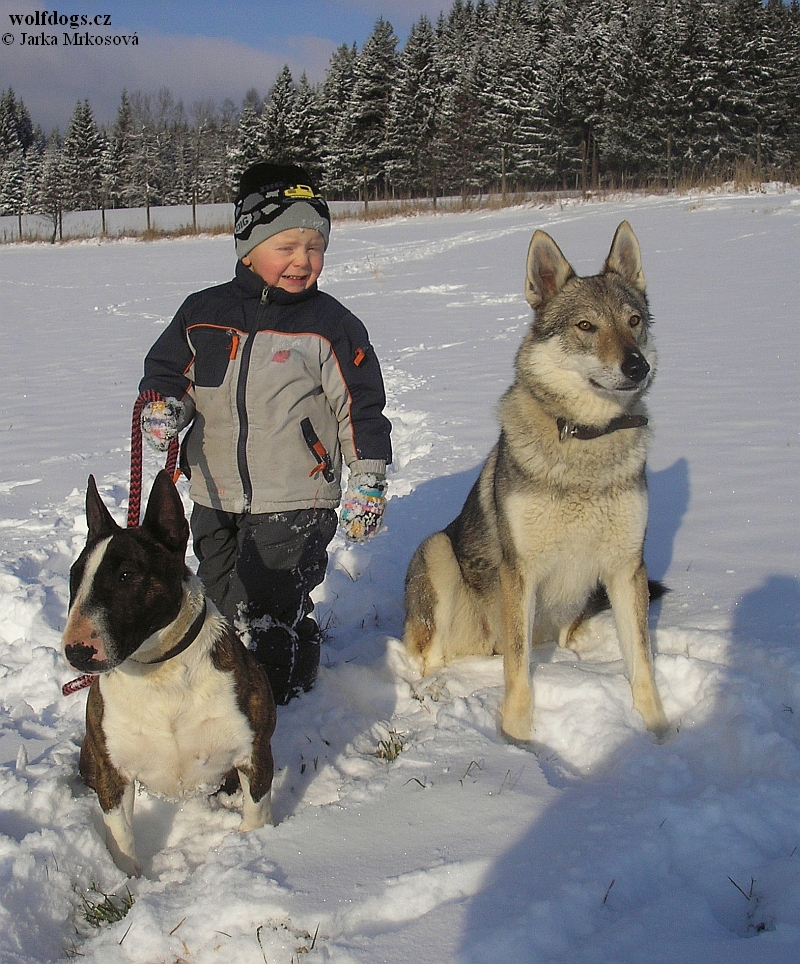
(601, 846)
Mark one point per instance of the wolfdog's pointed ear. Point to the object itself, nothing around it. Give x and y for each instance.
(547, 270)
(97, 515)
(625, 257)
(164, 518)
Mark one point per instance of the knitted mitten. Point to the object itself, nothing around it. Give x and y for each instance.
(363, 506)
(161, 422)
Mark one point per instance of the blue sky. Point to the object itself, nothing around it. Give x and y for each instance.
(200, 51)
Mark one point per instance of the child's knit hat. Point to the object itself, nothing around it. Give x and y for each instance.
(273, 198)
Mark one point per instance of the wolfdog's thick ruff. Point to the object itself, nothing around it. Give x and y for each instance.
(560, 507)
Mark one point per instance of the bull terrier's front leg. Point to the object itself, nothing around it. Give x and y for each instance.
(255, 813)
(119, 834)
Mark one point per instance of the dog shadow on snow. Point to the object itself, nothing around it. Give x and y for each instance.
(598, 876)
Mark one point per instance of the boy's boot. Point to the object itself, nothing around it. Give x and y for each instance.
(290, 658)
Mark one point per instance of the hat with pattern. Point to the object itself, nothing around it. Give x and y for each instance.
(273, 198)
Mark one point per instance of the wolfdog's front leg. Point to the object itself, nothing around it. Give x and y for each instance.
(517, 712)
(630, 602)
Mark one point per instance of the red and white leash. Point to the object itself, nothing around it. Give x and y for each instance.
(135, 495)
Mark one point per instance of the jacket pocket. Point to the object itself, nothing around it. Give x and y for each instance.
(214, 349)
(323, 461)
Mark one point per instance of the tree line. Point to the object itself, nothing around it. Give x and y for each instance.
(496, 95)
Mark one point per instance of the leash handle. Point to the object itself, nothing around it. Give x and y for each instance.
(135, 495)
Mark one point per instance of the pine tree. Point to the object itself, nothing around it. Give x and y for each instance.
(631, 144)
(175, 150)
(33, 171)
(684, 83)
(506, 83)
(504, 93)
(118, 157)
(247, 145)
(305, 128)
(277, 119)
(148, 145)
(16, 129)
(362, 138)
(12, 161)
(82, 153)
(754, 51)
(460, 140)
(211, 137)
(336, 92)
(414, 115)
(16, 137)
(12, 182)
(560, 84)
(458, 38)
(49, 201)
(780, 141)
(532, 160)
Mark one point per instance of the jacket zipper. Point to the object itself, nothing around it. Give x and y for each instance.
(241, 409)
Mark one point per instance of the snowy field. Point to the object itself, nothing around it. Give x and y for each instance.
(597, 846)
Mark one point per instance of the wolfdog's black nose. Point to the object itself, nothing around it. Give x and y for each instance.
(635, 366)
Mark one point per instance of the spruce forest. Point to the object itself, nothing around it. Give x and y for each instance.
(511, 95)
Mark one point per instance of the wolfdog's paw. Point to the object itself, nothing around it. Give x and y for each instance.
(659, 728)
(652, 712)
(520, 733)
(524, 743)
(517, 715)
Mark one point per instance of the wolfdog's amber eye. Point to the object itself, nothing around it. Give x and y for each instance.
(586, 326)
(635, 321)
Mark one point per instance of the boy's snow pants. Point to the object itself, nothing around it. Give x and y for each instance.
(259, 570)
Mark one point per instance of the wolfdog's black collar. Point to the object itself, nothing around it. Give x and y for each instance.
(567, 429)
(186, 641)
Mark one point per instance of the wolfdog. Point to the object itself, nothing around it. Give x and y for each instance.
(556, 520)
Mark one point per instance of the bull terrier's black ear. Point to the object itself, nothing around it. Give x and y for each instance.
(97, 515)
(165, 519)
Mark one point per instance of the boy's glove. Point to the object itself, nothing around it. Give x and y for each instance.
(161, 422)
(363, 506)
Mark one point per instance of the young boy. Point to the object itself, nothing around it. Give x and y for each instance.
(279, 383)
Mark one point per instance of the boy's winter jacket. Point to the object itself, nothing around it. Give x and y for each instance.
(280, 387)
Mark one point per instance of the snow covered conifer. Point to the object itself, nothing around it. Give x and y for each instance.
(82, 152)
